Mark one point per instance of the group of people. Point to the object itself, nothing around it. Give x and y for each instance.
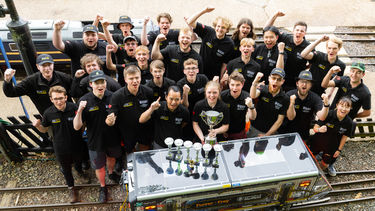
(163, 85)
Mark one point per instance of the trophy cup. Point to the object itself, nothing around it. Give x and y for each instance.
(211, 118)
(197, 147)
(178, 143)
(206, 148)
(169, 141)
(188, 145)
(218, 148)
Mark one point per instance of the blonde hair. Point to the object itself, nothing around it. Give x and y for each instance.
(186, 30)
(158, 64)
(57, 89)
(130, 70)
(142, 48)
(212, 83)
(227, 23)
(164, 15)
(190, 61)
(247, 41)
(336, 40)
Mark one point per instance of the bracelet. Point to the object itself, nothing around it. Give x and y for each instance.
(339, 150)
(283, 53)
(327, 105)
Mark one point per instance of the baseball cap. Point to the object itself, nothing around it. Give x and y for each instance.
(124, 19)
(130, 37)
(305, 75)
(90, 28)
(358, 65)
(278, 71)
(44, 58)
(96, 75)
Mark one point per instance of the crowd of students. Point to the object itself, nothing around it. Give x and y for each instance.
(162, 85)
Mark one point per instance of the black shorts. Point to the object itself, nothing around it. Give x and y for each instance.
(99, 158)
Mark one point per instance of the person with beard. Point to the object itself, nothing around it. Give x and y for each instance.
(269, 55)
(169, 117)
(244, 29)
(304, 105)
(294, 45)
(174, 56)
(243, 64)
(80, 85)
(321, 62)
(353, 87)
(159, 84)
(77, 49)
(216, 49)
(164, 22)
(272, 104)
(103, 141)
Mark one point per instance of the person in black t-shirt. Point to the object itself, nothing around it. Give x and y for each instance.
(269, 54)
(272, 104)
(244, 29)
(243, 64)
(331, 134)
(77, 49)
(169, 117)
(353, 87)
(37, 85)
(174, 55)
(211, 102)
(216, 49)
(239, 103)
(303, 107)
(294, 45)
(164, 21)
(103, 141)
(67, 142)
(80, 85)
(322, 62)
(159, 84)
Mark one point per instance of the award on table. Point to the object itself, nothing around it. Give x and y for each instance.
(211, 118)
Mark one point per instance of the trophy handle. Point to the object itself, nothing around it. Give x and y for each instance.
(220, 117)
(203, 117)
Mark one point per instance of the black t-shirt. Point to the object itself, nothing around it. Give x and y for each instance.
(269, 108)
(237, 45)
(320, 67)
(119, 39)
(160, 91)
(249, 70)
(330, 140)
(172, 38)
(294, 62)
(77, 49)
(81, 86)
(168, 123)
(100, 135)
(267, 59)
(237, 109)
(360, 95)
(66, 140)
(37, 88)
(305, 112)
(128, 108)
(214, 52)
(174, 61)
(220, 107)
(122, 57)
(196, 92)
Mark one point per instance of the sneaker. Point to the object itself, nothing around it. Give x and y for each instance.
(73, 195)
(103, 194)
(115, 177)
(331, 170)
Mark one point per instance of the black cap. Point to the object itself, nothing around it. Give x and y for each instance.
(90, 28)
(131, 37)
(305, 75)
(44, 58)
(124, 19)
(96, 75)
(278, 71)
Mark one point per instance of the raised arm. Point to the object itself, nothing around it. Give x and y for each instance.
(272, 19)
(77, 121)
(280, 58)
(192, 20)
(144, 39)
(322, 114)
(254, 92)
(37, 124)
(145, 116)
(185, 95)
(96, 22)
(56, 36)
(307, 52)
(251, 109)
(291, 112)
(326, 82)
(108, 60)
(155, 53)
(108, 35)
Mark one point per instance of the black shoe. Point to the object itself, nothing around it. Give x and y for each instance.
(103, 194)
(85, 165)
(115, 177)
(74, 196)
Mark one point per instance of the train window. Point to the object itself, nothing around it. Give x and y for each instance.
(39, 35)
(9, 36)
(13, 46)
(42, 46)
(77, 34)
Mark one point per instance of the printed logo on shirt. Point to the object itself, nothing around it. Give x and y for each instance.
(95, 108)
(56, 121)
(41, 92)
(238, 69)
(259, 57)
(278, 105)
(166, 118)
(175, 61)
(296, 106)
(271, 62)
(209, 44)
(219, 53)
(265, 99)
(128, 104)
(147, 80)
(70, 118)
(143, 103)
(171, 43)
(288, 48)
(322, 66)
(156, 94)
(299, 55)
(354, 98)
(342, 130)
(344, 89)
(330, 125)
(250, 74)
(102, 57)
(241, 107)
(306, 109)
(178, 121)
(201, 90)
(235, 48)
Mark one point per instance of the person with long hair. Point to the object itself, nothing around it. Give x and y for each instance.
(244, 29)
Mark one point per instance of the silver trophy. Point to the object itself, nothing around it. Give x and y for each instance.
(211, 118)
(206, 148)
(218, 148)
(197, 146)
(188, 145)
(169, 142)
(178, 143)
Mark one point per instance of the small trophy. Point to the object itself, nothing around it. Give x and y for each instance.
(178, 143)
(188, 145)
(211, 118)
(178, 170)
(206, 148)
(169, 142)
(214, 175)
(197, 147)
(218, 148)
(170, 169)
